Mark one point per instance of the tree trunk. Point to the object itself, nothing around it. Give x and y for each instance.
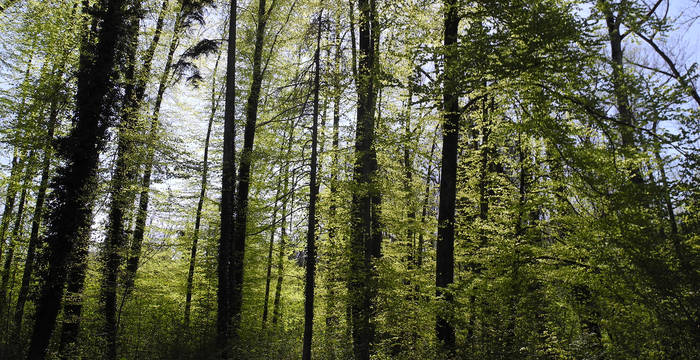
(73, 188)
(202, 194)
(424, 207)
(142, 210)
(332, 252)
(11, 193)
(268, 276)
(626, 126)
(121, 193)
(73, 306)
(310, 278)
(38, 213)
(277, 304)
(133, 106)
(241, 205)
(365, 241)
(444, 270)
(14, 237)
(228, 186)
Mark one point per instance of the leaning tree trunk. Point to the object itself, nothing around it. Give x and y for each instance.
(444, 270)
(73, 188)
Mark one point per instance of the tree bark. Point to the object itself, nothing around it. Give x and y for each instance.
(424, 207)
(73, 306)
(310, 279)
(365, 241)
(121, 193)
(241, 203)
(332, 252)
(73, 187)
(228, 188)
(444, 270)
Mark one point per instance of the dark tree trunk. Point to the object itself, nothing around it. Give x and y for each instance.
(310, 278)
(444, 270)
(241, 205)
(121, 193)
(228, 188)
(73, 300)
(73, 187)
(365, 241)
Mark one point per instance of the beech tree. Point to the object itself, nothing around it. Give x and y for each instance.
(280, 179)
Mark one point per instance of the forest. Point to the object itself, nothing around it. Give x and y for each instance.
(354, 179)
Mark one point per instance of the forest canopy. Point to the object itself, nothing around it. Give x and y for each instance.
(357, 179)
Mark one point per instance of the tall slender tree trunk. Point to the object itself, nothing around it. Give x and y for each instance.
(14, 237)
(145, 185)
(202, 194)
(332, 252)
(424, 207)
(444, 270)
(10, 196)
(73, 188)
(277, 303)
(626, 126)
(310, 278)
(241, 204)
(38, 213)
(133, 107)
(228, 188)
(273, 228)
(13, 183)
(365, 240)
(408, 181)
